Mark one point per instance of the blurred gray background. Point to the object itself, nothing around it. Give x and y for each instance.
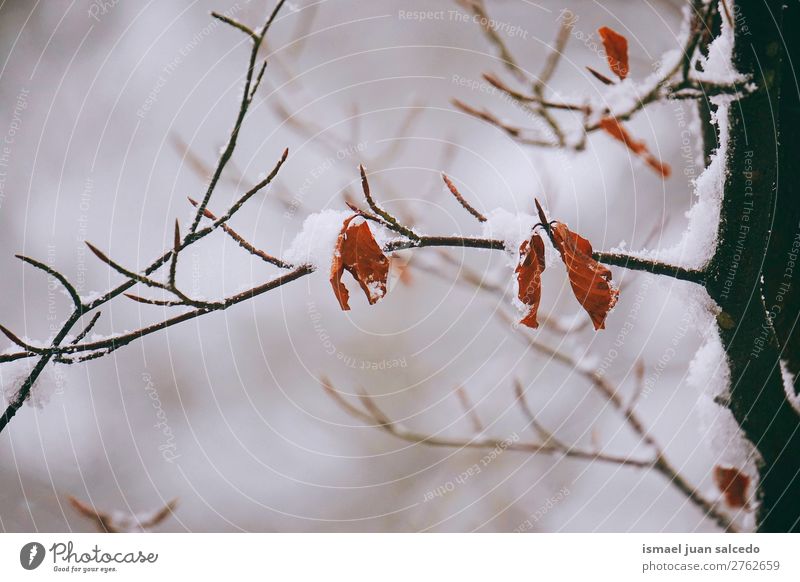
(100, 103)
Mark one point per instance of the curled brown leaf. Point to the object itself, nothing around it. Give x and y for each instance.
(590, 281)
(359, 254)
(529, 277)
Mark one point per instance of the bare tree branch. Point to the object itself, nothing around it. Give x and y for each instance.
(461, 200)
(377, 418)
(247, 99)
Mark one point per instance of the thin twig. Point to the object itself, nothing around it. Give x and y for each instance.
(522, 402)
(544, 78)
(125, 339)
(391, 221)
(87, 329)
(246, 100)
(249, 194)
(73, 293)
(553, 58)
(15, 339)
(242, 242)
(638, 376)
(469, 409)
(132, 275)
(236, 24)
(173, 263)
(515, 132)
(151, 301)
(378, 419)
(461, 200)
(257, 83)
(478, 9)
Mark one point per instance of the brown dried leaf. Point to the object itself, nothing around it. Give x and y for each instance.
(529, 277)
(590, 281)
(733, 484)
(357, 253)
(616, 47)
(615, 129)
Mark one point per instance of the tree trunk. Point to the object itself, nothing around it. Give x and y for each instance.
(752, 276)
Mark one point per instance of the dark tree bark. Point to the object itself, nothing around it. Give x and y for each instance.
(752, 276)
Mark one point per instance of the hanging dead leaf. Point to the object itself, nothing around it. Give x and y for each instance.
(616, 47)
(733, 484)
(357, 253)
(590, 281)
(616, 130)
(529, 277)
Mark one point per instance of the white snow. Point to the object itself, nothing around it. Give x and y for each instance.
(512, 229)
(695, 127)
(315, 243)
(709, 373)
(376, 289)
(91, 297)
(788, 385)
(13, 375)
(699, 240)
(709, 369)
(44, 389)
(718, 65)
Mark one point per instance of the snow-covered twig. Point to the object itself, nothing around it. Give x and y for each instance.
(296, 272)
(673, 81)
